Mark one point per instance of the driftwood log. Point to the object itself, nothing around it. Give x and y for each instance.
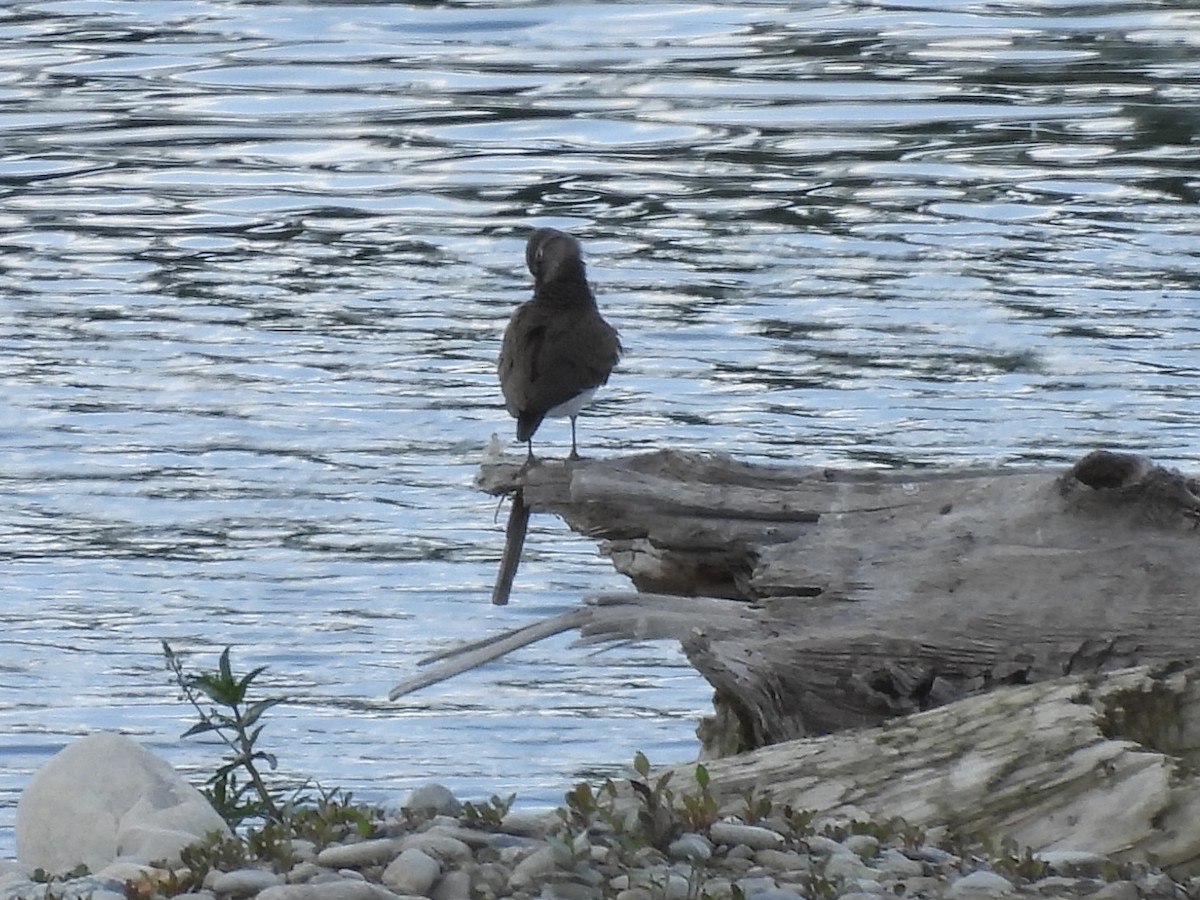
(815, 600)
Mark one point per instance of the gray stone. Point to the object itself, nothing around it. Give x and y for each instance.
(530, 824)
(363, 853)
(757, 885)
(823, 846)
(896, 865)
(539, 863)
(752, 836)
(244, 882)
(439, 845)
(304, 871)
(433, 799)
(782, 860)
(412, 872)
(332, 890)
(1076, 863)
(980, 884)
(778, 894)
(865, 846)
(454, 885)
(690, 846)
(846, 866)
(678, 887)
(1117, 890)
(105, 796)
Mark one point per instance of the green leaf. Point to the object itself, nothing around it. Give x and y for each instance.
(641, 765)
(702, 776)
(199, 728)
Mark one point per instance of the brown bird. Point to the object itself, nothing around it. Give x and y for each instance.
(557, 348)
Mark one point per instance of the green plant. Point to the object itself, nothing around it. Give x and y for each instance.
(699, 810)
(757, 806)
(41, 876)
(487, 814)
(332, 817)
(657, 815)
(237, 789)
(1011, 860)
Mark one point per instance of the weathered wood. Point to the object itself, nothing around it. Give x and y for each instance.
(879, 593)
(514, 543)
(1098, 763)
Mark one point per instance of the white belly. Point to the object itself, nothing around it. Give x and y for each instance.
(573, 406)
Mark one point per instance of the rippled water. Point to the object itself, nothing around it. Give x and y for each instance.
(255, 259)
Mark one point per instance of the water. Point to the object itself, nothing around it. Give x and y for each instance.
(256, 260)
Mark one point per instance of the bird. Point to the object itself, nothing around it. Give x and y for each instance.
(557, 348)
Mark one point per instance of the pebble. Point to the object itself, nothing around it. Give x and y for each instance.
(362, 853)
(864, 845)
(895, 864)
(753, 836)
(438, 857)
(539, 862)
(980, 884)
(337, 890)
(244, 882)
(413, 872)
(439, 845)
(690, 846)
(454, 885)
(845, 866)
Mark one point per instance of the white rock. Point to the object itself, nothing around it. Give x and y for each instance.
(105, 796)
(412, 872)
(752, 836)
(245, 882)
(980, 884)
(433, 798)
(362, 853)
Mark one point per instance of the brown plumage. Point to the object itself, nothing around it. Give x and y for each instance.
(557, 348)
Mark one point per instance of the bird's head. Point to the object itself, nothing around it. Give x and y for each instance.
(551, 254)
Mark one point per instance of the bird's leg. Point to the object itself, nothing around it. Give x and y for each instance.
(574, 452)
(529, 460)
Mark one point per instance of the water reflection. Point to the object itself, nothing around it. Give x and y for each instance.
(257, 258)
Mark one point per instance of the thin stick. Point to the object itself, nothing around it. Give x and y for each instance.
(462, 659)
(514, 542)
